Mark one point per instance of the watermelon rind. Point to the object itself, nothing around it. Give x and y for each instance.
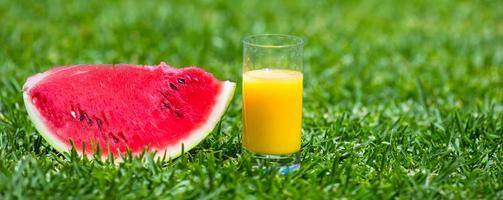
(170, 152)
(196, 136)
(36, 117)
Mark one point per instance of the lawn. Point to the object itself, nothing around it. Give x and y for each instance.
(402, 99)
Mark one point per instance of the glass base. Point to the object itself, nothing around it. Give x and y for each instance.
(284, 163)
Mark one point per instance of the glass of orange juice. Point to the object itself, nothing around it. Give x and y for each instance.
(272, 98)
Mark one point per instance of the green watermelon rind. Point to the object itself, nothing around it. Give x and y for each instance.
(171, 152)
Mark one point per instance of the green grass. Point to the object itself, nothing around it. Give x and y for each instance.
(403, 99)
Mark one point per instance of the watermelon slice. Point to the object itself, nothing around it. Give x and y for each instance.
(123, 106)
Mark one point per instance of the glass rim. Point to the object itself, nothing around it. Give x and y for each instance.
(295, 41)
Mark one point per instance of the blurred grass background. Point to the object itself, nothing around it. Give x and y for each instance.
(402, 98)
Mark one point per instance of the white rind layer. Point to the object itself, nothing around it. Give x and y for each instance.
(196, 136)
(173, 151)
(36, 117)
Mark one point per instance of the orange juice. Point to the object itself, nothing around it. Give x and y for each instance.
(272, 111)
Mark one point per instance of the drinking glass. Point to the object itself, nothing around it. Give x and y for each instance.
(272, 98)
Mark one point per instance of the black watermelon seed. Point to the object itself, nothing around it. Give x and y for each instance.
(99, 122)
(114, 138)
(82, 116)
(172, 86)
(165, 105)
(180, 80)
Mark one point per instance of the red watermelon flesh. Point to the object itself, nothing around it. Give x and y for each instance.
(123, 106)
